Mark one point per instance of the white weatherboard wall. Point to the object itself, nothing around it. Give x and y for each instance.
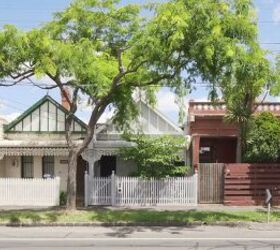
(61, 170)
(29, 192)
(10, 167)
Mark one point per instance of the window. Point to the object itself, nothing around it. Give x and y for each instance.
(27, 167)
(48, 166)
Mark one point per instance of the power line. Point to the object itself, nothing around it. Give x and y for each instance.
(270, 43)
(23, 110)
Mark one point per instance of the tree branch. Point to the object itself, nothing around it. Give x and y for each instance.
(7, 85)
(70, 118)
(119, 57)
(20, 75)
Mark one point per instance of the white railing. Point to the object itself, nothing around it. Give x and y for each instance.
(134, 191)
(29, 192)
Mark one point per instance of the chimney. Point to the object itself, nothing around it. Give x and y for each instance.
(2, 123)
(64, 102)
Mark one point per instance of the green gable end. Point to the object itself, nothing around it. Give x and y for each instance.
(46, 115)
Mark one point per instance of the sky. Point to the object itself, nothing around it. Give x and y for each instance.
(27, 14)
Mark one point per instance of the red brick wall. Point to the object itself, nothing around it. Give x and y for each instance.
(214, 126)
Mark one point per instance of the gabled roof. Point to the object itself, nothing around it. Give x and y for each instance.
(174, 128)
(161, 115)
(36, 106)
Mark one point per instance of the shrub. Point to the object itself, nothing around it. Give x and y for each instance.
(62, 198)
(156, 156)
(263, 141)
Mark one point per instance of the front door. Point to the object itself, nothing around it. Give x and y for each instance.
(107, 165)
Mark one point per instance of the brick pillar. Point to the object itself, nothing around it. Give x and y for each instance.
(195, 150)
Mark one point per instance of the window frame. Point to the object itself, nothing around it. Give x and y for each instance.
(46, 160)
(25, 161)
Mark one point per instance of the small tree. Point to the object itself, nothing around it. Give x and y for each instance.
(251, 76)
(156, 156)
(263, 140)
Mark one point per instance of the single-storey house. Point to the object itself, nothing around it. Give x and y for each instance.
(103, 153)
(212, 139)
(34, 145)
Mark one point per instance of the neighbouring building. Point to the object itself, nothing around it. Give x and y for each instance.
(102, 153)
(34, 144)
(213, 140)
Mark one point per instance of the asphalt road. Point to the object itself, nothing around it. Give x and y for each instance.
(117, 238)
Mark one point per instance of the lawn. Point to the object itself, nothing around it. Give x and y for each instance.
(107, 215)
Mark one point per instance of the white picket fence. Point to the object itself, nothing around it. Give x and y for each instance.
(134, 191)
(29, 192)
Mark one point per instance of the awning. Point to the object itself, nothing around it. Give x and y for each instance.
(33, 151)
(34, 147)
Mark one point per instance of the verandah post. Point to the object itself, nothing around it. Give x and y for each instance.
(86, 189)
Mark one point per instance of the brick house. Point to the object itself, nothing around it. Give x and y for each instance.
(213, 139)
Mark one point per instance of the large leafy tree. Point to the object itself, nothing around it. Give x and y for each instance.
(105, 51)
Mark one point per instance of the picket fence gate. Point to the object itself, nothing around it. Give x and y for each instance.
(135, 191)
(29, 192)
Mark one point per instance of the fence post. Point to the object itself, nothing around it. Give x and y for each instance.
(195, 176)
(86, 195)
(57, 190)
(113, 188)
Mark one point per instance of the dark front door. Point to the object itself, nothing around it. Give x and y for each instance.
(217, 150)
(107, 165)
(82, 166)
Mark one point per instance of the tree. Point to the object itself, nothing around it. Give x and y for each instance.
(263, 140)
(105, 51)
(156, 156)
(251, 75)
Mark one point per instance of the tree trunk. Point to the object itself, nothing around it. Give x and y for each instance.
(74, 153)
(71, 180)
(241, 142)
(239, 148)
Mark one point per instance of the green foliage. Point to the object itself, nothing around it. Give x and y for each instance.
(251, 75)
(263, 142)
(62, 198)
(108, 49)
(275, 89)
(13, 50)
(156, 156)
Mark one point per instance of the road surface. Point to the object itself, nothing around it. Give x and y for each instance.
(123, 238)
